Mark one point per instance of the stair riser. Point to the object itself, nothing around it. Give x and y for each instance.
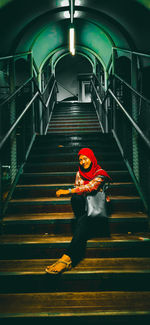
(48, 192)
(36, 251)
(59, 228)
(117, 205)
(69, 149)
(73, 126)
(74, 283)
(69, 123)
(92, 139)
(102, 137)
(75, 130)
(76, 127)
(39, 157)
(35, 168)
(76, 114)
(62, 154)
(64, 179)
(78, 118)
(76, 145)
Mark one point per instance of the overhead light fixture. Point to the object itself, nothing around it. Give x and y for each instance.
(76, 14)
(64, 3)
(72, 40)
(72, 30)
(66, 14)
(77, 2)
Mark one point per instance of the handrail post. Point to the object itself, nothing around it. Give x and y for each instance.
(13, 144)
(40, 121)
(1, 191)
(30, 57)
(134, 116)
(106, 103)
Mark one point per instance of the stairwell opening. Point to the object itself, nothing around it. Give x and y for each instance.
(67, 70)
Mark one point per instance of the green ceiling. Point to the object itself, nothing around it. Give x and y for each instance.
(42, 26)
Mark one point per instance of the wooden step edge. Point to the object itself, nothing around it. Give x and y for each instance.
(114, 218)
(88, 266)
(64, 200)
(63, 241)
(81, 274)
(53, 186)
(92, 307)
(67, 216)
(74, 120)
(71, 173)
(103, 136)
(68, 154)
(72, 163)
(67, 130)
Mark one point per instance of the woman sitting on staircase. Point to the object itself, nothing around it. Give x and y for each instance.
(90, 177)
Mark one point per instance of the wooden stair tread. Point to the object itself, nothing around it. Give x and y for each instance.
(46, 238)
(67, 216)
(63, 199)
(70, 173)
(67, 185)
(98, 265)
(61, 163)
(74, 131)
(81, 122)
(75, 303)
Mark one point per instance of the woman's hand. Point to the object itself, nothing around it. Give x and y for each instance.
(62, 192)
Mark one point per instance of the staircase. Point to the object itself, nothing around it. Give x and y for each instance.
(112, 284)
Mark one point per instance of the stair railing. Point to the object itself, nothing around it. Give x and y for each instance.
(126, 114)
(99, 98)
(67, 90)
(18, 132)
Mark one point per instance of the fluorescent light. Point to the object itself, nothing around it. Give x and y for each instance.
(76, 14)
(64, 3)
(73, 52)
(66, 14)
(77, 2)
(72, 40)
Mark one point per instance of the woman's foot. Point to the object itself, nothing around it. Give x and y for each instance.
(62, 265)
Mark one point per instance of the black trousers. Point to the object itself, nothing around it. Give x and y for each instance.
(85, 228)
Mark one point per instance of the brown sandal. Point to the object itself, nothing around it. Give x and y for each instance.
(68, 266)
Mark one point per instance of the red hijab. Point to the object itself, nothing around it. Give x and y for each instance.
(95, 170)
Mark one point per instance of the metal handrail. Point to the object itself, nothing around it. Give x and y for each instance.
(146, 140)
(106, 91)
(4, 139)
(17, 121)
(131, 52)
(135, 91)
(16, 92)
(134, 124)
(47, 84)
(40, 94)
(15, 55)
(48, 100)
(66, 89)
(96, 92)
(99, 82)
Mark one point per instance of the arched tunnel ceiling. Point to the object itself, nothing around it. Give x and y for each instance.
(60, 53)
(56, 34)
(42, 27)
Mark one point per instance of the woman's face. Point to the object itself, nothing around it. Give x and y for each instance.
(84, 161)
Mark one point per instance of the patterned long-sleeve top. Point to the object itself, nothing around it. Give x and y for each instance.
(81, 187)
